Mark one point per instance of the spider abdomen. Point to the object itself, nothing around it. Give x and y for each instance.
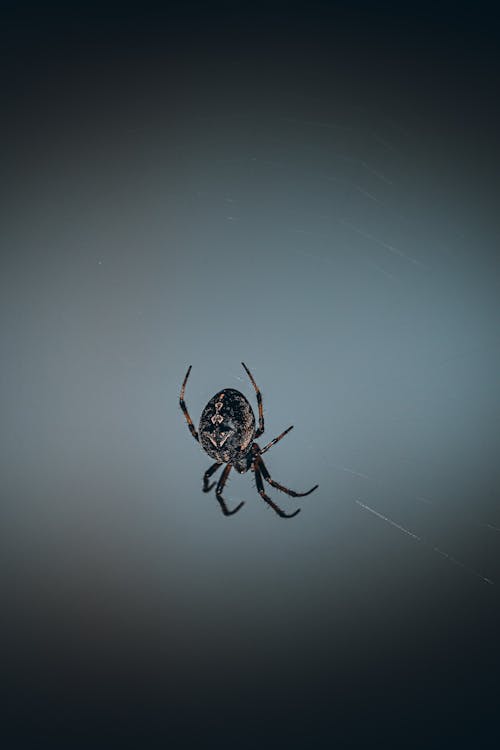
(227, 427)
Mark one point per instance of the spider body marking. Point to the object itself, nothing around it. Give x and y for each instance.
(226, 432)
(227, 429)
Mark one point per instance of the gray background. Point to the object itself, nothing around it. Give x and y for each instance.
(315, 196)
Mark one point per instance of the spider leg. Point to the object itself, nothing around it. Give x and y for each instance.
(279, 486)
(184, 407)
(206, 476)
(260, 487)
(218, 492)
(273, 442)
(260, 429)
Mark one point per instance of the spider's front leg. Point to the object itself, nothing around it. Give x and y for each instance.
(183, 406)
(206, 476)
(218, 493)
(266, 498)
(279, 486)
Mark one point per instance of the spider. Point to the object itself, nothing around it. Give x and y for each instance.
(226, 433)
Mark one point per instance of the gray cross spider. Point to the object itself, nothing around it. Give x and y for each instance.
(226, 433)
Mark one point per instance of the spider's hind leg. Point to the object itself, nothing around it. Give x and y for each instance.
(183, 406)
(260, 428)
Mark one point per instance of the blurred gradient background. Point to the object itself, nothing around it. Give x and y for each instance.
(314, 191)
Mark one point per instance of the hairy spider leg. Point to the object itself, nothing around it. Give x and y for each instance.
(273, 442)
(266, 498)
(206, 476)
(218, 493)
(184, 407)
(260, 429)
(267, 477)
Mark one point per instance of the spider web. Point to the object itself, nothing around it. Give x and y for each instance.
(369, 219)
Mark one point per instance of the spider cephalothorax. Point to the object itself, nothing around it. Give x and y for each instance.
(227, 432)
